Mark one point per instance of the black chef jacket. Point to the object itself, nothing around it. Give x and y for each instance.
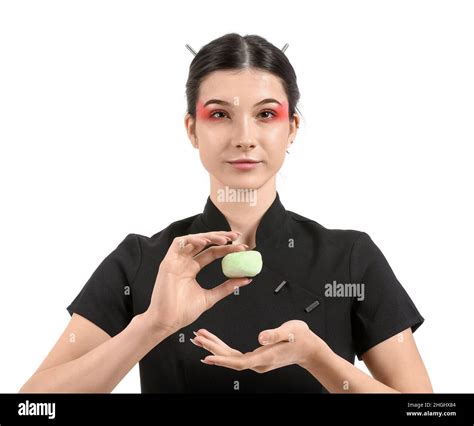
(300, 257)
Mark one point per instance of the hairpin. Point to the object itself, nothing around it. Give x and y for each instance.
(191, 49)
(194, 52)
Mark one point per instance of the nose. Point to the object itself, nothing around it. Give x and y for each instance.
(243, 137)
(245, 145)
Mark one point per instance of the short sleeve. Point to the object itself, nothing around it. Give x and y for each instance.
(386, 309)
(106, 298)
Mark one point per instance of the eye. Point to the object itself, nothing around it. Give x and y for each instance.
(214, 114)
(264, 114)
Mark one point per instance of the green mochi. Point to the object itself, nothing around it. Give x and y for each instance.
(242, 264)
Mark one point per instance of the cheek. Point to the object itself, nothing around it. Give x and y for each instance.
(275, 144)
(208, 157)
(274, 136)
(210, 135)
(211, 144)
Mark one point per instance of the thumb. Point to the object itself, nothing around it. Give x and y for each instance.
(267, 337)
(275, 335)
(216, 294)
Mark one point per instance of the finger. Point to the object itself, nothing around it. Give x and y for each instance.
(194, 243)
(209, 335)
(281, 334)
(219, 237)
(266, 358)
(190, 244)
(235, 362)
(222, 290)
(180, 244)
(203, 333)
(212, 253)
(215, 348)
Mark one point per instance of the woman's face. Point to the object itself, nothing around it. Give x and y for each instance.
(242, 128)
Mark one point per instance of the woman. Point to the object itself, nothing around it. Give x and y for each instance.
(323, 295)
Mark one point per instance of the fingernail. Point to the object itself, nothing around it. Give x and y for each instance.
(195, 333)
(206, 362)
(194, 343)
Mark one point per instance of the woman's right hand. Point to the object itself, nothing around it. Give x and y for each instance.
(178, 299)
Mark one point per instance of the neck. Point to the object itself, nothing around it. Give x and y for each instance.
(243, 209)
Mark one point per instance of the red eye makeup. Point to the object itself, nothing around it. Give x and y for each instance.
(279, 112)
(202, 112)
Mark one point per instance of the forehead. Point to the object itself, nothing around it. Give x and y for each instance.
(246, 83)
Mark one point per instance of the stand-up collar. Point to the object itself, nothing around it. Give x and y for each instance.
(269, 225)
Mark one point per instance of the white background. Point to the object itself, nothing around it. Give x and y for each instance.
(93, 147)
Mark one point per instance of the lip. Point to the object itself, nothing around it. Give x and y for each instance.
(244, 160)
(244, 163)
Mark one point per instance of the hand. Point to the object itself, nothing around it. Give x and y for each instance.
(291, 343)
(178, 299)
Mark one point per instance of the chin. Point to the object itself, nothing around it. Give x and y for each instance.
(248, 182)
(242, 185)
(252, 184)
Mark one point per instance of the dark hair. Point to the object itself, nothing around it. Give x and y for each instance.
(233, 51)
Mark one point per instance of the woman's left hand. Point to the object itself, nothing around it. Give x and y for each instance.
(291, 343)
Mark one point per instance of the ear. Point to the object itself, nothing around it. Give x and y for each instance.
(294, 125)
(190, 124)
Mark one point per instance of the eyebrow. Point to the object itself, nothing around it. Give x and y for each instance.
(221, 102)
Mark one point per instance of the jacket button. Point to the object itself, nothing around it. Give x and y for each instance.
(280, 286)
(312, 306)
